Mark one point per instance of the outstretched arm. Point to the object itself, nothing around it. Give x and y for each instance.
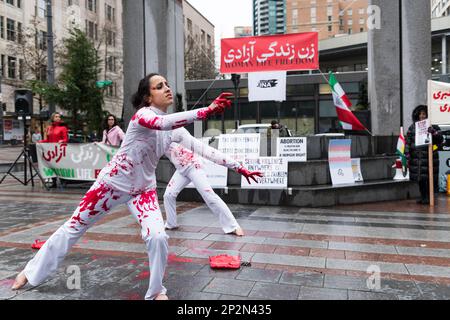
(184, 138)
(181, 119)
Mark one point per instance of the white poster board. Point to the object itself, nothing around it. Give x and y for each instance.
(267, 86)
(275, 171)
(340, 161)
(439, 102)
(293, 149)
(423, 137)
(12, 129)
(217, 175)
(356, 167)
(240, 146)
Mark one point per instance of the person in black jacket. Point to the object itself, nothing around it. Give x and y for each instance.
(417, 156)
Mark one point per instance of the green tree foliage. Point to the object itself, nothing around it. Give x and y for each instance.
(76, 90)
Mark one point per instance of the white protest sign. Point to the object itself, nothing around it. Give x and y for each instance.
(267, 86)
(240, 146)
(423, 137)
(217, 175)
(340, 161)
(356, 168)
(293, 149)
(275, 171)
(438, 102)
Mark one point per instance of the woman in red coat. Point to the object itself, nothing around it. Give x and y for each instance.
(56, 133)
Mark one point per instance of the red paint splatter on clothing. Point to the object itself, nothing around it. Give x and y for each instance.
(179, 124)
(147, 201)
(143, 275)
(152, 123)
(133, 261)
(77, 220)
(120, 162)
(184, 157)
(92, 198)
(204, 114)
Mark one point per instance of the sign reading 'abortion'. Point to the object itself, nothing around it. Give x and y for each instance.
(298, 51)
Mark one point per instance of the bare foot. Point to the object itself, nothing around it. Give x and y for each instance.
(162, 297)
(239, 232)
(20, 281)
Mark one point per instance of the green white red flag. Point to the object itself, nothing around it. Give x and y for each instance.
(345, 115)
(401, 149)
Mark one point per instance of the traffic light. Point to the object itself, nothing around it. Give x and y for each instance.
(23, 101)
(102, 84)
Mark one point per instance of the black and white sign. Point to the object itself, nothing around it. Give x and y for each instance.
(267, 86)
(293, 149)
(275, 171)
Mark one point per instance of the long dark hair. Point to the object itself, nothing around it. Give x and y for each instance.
(105, 122)
(140, 98)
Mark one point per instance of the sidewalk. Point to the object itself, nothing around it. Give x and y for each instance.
(294, 253)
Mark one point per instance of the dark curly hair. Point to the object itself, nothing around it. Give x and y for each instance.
(105, 122)
(140, 98)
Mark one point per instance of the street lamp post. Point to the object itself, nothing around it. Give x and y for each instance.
(51, 63)
(236, 79)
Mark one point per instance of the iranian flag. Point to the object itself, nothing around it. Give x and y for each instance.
(343, 104)
(401, 149)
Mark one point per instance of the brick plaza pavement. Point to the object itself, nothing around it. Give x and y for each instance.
(295, 253)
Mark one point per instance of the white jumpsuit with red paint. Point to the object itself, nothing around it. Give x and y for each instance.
(129, 178)
(190, 169)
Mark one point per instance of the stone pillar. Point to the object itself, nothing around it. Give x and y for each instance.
(416, 36)
(153, 42)
(383, 53)
(398, 72)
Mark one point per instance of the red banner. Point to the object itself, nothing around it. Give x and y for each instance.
(298, 51)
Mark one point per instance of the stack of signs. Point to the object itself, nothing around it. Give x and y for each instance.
(275, 171)
(217, 175)
(340, 161)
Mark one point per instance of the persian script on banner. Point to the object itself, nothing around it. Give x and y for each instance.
(439, 102)
(298, 51)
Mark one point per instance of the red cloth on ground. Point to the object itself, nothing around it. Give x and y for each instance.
(225, 261)
(37, 244)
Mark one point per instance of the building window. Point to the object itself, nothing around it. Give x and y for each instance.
(3, 67)
(19, 32)
(11, 2)
(330, 28)
(361, 29)
(10, 30)
(350, 22)
(2, 27)
(330, 10)
(21, 69)
(361, 11)
(12, 67)
(41, 9)
(362, 20)
(91, 5)
(350, 31)
(41, 40)
(110, 13)
(189, 25)
(349, 12)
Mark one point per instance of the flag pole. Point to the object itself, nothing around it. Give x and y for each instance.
(430, 173)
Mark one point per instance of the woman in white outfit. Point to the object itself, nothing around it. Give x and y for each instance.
(128, 178)
(189, 168)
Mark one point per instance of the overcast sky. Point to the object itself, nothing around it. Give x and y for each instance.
(225, 15)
